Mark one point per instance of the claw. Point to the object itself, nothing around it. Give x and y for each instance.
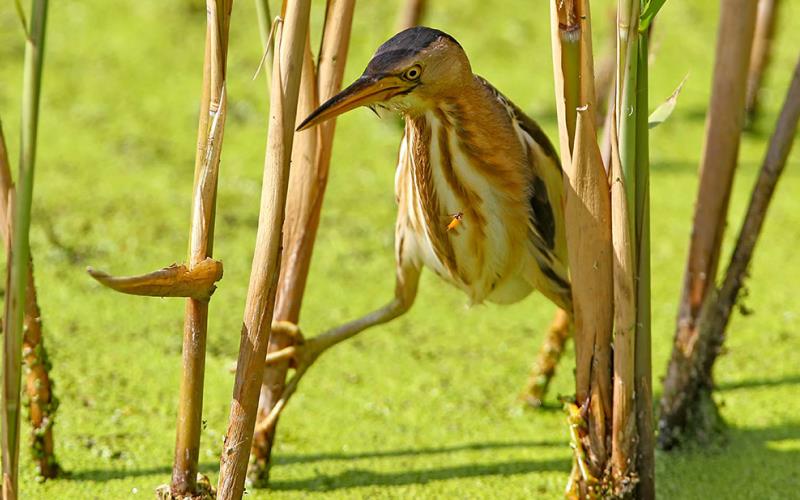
(289, 329)
(290, 353)
(285, 354)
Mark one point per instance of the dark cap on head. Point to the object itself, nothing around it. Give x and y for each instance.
(402, 45)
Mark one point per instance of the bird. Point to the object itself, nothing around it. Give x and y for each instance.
(478, 185)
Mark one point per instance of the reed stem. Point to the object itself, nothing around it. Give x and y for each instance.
(645, 458)
(681, 401)
(21, 201)
(290, 45)
(201, 241)
(307, 184)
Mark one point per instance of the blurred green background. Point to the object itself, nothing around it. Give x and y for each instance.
(425, 407)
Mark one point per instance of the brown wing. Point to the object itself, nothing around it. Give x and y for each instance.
(546, 194)
(525, 122)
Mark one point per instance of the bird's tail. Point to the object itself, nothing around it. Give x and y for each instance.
(552, 279)
(562, 297)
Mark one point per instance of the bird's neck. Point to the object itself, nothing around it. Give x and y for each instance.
(459, 96)
(468, 121)
(464, 157)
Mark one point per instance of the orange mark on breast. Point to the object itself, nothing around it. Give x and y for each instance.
(456, 219)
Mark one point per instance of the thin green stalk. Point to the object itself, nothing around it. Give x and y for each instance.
(627, 74)
(632, 109)
(42, 403)
(643, 367)
(19, 258)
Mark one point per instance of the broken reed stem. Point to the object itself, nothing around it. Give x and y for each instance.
(42, 403)
(307, 182)
(760, 54)
(411, 13)
(197, 282)
(723, 132)
(297, 246)
(290, 44)
(201, 241)
(19, 250)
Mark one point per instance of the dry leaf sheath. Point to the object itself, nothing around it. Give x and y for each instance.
(173, 281)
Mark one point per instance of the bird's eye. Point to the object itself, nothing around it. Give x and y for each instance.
(412, 73)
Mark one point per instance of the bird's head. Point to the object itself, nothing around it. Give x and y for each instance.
(409, 73)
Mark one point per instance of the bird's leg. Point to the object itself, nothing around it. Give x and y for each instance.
(547, 360)
(306, 351)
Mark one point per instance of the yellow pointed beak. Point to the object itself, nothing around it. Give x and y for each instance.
(363, 92)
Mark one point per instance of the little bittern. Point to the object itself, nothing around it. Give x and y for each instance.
(478, 186)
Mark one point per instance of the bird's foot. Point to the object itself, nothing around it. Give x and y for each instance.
(300, 354)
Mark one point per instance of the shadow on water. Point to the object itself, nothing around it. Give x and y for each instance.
(359, 477)
(319, 457)
(726, 469)
(744, 455)
(762, 382)
(101, 475)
